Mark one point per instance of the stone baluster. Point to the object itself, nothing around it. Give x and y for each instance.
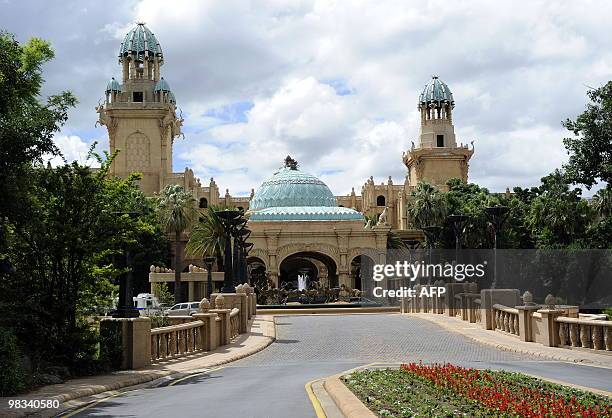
(597, 337)
(172, 343)
(506, 322)
(573, 328)
(608, 338)
(154, 346)
(585, 336)
(516, 324)
(563, 333)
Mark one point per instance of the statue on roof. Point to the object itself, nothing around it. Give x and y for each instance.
(290, 163)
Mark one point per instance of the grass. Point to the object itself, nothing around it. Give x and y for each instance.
(418, 390)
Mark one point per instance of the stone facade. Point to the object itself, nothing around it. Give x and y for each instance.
(142, 122)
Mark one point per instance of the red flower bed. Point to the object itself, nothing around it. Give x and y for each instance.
(499, 391)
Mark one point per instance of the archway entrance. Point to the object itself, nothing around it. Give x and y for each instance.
(302, 270)
(256, 272)
(361, 270)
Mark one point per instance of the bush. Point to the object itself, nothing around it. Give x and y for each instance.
(12, 375)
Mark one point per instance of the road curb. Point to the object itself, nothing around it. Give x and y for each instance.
(349, 404)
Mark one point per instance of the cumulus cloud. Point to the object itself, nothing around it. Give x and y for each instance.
(335, 83)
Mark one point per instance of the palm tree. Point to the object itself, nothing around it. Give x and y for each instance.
(428, 206)
(176, 211)
(207, 237)
(602, 202)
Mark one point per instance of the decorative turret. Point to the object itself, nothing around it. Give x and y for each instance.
(437, 158)
(140, 54)
(436, 105)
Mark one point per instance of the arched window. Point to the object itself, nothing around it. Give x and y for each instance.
(380, 201)
(203, 203)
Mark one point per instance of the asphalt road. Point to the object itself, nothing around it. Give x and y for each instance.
(271, 383)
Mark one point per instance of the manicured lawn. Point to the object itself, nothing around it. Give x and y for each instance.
(418, 390)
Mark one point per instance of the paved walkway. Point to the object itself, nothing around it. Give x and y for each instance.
(509, 343)
(271, 383)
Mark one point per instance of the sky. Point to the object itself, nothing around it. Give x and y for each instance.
(335, 84)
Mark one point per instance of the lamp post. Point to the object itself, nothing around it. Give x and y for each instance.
(458, 223)
(208, 261)
(246, 248)
(497, 217)
(240, 237)
(432, 233)
(125, 308)
(228, 217)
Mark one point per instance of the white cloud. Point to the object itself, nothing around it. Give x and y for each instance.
(516, 69)
(73, 148)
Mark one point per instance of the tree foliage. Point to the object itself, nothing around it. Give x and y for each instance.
(176, 211)
(590, 150)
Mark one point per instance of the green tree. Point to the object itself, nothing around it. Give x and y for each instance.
(558, 216)
(207, 237)
(427, 207)
(602, 203)
(27, 126)
(177, 211)
(590, 150)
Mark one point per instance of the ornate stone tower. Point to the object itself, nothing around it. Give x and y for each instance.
(437, 158)
(140, 114)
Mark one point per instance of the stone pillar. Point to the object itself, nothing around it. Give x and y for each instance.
(490, 297)
(226, 331)
(525, 323)
(126, 341)
(190, 291)
(344, 279)
(551, 331)
(210, 329)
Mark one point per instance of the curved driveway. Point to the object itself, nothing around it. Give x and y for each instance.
(271, 382)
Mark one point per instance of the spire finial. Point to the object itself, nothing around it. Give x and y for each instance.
(290, 163)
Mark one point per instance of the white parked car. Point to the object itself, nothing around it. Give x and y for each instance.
(186, 308)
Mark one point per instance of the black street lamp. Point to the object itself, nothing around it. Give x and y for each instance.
(228, 219)
(432, 234)
(497, 217)
(125, 308)
(208, 261)
(246, 248)
(458, 224)
(240, 237)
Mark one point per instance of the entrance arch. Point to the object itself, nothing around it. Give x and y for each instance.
(361, 271)
(256, 272)
(306, 268)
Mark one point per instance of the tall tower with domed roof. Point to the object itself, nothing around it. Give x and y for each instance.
(437, 158)
(140, 113)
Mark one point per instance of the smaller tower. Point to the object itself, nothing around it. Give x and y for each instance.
(437, 158)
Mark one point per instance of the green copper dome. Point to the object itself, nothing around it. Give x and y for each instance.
(292, 195)
(113, 85)
(162, 85)
(436, 92)
(140, 43)
(289, 187)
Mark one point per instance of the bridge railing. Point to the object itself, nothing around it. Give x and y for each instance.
(506, 311)
(139, 345)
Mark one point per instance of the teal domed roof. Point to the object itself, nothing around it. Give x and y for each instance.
(140, 43)
(292, 195)
(162, 85)
(437, 92)
(113, 85)
(292, 187)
